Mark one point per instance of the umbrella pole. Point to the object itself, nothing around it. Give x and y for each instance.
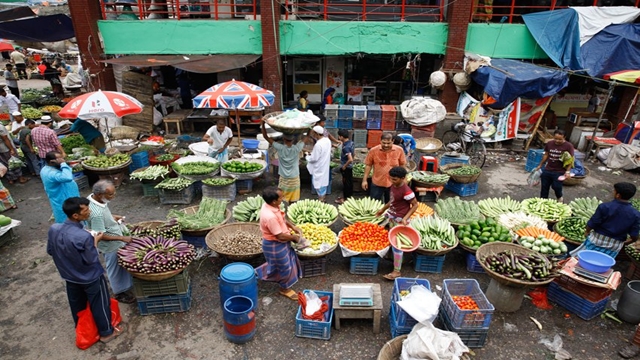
(238, 128)
(612, 85)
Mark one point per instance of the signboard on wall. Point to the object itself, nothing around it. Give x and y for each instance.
(505, 123)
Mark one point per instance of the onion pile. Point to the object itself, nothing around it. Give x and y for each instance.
(153, 255)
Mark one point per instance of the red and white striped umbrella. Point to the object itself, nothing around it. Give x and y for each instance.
(101, 104)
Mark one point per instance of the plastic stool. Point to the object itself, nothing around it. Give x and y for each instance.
(429, 163)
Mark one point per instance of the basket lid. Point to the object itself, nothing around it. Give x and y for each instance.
(237, 272)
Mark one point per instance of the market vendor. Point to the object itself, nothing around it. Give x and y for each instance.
(382, 158)
(283, 265)
(57, 178)
(12, 102)
(17, 123)
(7, 155)
(89, 133)
(558, 165)
(319, 162)
(613, 221)
(288, 165)
(303, 103)
(219, 137)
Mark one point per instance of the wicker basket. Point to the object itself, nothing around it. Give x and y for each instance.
(422, 251)
(576, 180)
(124, 132)
(411, 166)
(229, 229)
(392, 349)
(462, 179)
(348, 223)
(284, 130)
(302, 255)
(204, 231)
(566, 239)
(107, 171)
(246, 176)
(496, 247)
(424, 142)
(427, 184)
(158, 276)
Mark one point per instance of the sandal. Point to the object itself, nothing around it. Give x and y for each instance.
(290, 294)
(117, 331)
(339, 201)
(392, 275)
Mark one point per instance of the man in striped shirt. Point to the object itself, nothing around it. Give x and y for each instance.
(46, 140)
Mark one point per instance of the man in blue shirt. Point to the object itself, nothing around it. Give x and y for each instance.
(90, 134)
(608, 228)
(57, 179)
(346, 165)
(74, 253)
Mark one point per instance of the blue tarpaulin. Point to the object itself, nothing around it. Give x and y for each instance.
(615, 48)
(48, 28)
(557, 33)
(507, 80)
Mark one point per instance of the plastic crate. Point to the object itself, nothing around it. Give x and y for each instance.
(364, 265)
(316, 329)
(428, 264)
(374, 112)
(176, 285)
(197, 241)
(359, 112)
(331, 111)
(82, 182)
(462, 189)
(473, 265)
(388, 112)
(165, 304)
(398, 113)
(7, 237)
(139, 160)
(373, 138)
(345, 111)
(585, 309)
(462, 159)
(402, 126)
(244, 186)
(466, 319)
(360, 124)
(397, 329)
(313, 267)
(345, 124)
(591, 293)
(529, 167)
(149, 189)
(388, 125)
(227, 192)
(360, 138)
(472, 338)
(181, 197)
(533, 159)
(374, 124)
(78, 174)
(330, 123)
(403, 319)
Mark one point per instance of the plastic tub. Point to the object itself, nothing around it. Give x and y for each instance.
(250, 144)
(595, 261)
(410, 232)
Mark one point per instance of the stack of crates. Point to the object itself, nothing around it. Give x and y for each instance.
(583, 300)
(471, 325)
(401, 322)
(374, 112)
(165, 296)
(359, 112)
(316, 329)
(533, 159)
(331, 111)
(360, 138)
(345, 117)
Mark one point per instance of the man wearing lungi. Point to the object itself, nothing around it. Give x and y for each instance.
(288, 165)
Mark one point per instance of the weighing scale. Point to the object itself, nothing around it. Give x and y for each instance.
(597, 277)
(356, 295)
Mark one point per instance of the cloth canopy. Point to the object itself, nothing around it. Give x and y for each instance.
(16, 13)
(613, 49)
(49, 28)
(628, 76)
(202, 64)
(506, 80)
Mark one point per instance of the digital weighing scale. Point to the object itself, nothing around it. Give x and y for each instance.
(597, 277)
(356, 295)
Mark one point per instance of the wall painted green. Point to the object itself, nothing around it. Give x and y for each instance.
(181, 37)
(508, 41)
(373, 37)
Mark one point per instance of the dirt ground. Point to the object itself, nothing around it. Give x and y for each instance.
(36, 323)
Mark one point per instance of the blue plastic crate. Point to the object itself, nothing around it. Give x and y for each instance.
(529, 167)
(330, 123)
(331, 110)
(462, 159)
(585, 309)
(78, 174)
(397, 329)
(428, 264)
(359, 112)
(364, 265)
(244, 186)
(472, 338)
(374, 124)
(139, 160)
(402, 126)
(316, 329)
(462, 189)
(345, 124)
(345, 111)
(473, 265)
(197, 241)
(535, 155)
(403, 319)
(466, 319)
(374, 112)
(360, 138)
(165, 304)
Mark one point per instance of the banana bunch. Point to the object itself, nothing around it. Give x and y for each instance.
(361, 210)
(312, 212)
(584, 207)
(494, 207)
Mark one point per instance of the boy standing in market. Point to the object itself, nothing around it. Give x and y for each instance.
(402, 205)
(346, 165)
(26, 145)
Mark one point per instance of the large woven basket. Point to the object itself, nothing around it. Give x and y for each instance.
(246, 176)
(462, 179)
(392, 349)
(285, 130)
(569, 240)
(576, 180)
(156, 277)
(496, 247)
(124, 132)
(229, 229)
(427, 184)
(421, 143)
(303, 255)
(202, 232)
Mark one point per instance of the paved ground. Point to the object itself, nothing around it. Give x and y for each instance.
(36, 323)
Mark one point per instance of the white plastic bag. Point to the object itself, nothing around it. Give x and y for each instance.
(313, 303)
(421, 304)
(428, 342)
(556, 347)
(534, 178)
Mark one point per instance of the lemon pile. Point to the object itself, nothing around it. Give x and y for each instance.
(317, 235)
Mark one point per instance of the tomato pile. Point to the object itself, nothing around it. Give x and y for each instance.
(363, 237)
(465, 302)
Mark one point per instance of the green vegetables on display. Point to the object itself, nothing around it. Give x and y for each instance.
(464, 170)
(543, 245)
(458, 211)
(358, 170)
(104, 161)
(150, 173)
(218, 181)
(518, 220)
(195, 168)
(572, 228)
(312, 212)
(547, 209)
(476, 233)
(249, 210)
(175, 184)
(435, 233)
(164, 157)
(494, 207)
(430, 177)
(71, 142)
(236, 166)
(29, 112)
(636, 204)
(211, 212)
(584, 207)
(169, 229)
(532, 267)
(632, 252)
(361, 210)
(403, 241)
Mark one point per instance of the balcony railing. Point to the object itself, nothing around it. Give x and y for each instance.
(511, 11)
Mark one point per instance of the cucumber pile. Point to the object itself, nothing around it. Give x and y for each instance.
(572, 228)
(312, 212)
(458, 211)
(494, 207)
(481, 232)
(547, 209)
(361, 210)
(584, 207)
(435, 233)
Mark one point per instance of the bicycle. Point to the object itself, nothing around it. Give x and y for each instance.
(468, 142)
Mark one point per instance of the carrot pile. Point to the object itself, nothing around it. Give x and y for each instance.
(534, 232)
(423, 210)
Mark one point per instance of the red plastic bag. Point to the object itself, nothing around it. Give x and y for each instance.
(87, 331)
(539, 298)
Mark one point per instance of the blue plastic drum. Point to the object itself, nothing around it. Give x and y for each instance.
(238, 279)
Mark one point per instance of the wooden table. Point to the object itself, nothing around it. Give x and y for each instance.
(178, 118)
(358, 312)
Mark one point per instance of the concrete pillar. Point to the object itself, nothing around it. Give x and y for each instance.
(458, 17)
(85, 15)
(271, 65)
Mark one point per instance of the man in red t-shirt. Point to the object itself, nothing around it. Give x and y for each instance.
(402, 205)
(555, 168)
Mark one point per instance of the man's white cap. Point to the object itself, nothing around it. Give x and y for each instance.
(16, 113)
(45, 119)
(318, 129)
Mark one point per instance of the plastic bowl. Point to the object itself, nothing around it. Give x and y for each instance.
(250, 144)
(595, 261)
(410, 232)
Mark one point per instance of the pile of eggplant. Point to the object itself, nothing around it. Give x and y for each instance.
(532, 267)
(153, 255)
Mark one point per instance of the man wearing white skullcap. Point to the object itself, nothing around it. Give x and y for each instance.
(318, 162)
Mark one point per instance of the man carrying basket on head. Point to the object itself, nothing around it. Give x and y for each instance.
(288, 165)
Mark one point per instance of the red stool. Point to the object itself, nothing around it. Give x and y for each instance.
(429, 163)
